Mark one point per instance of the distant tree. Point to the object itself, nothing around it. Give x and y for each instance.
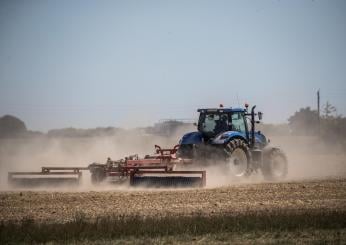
(332, 129)
(328, 110)
(304, 122)
(11, 126)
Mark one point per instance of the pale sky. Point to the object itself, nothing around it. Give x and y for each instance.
(131, 63)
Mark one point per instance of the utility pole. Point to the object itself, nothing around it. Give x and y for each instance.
(318, 104)
(318, 112)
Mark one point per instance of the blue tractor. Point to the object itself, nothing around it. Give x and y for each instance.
(228, 136)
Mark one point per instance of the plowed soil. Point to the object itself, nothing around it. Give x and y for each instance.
(323, 195)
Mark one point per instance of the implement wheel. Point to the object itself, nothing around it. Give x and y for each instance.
(185, 151)
(237, 158)
(275, 165)
(97, 175)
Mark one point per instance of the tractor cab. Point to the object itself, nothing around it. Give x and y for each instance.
(218, 126)
(213, 122)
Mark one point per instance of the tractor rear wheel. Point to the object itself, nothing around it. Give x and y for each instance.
(237, 158)
(274, 165)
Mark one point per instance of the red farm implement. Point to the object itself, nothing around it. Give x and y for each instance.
(51, 176)
(156, 170)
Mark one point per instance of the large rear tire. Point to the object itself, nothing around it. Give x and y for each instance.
(275, 166)
(238, 158)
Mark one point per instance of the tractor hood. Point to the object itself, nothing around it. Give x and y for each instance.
(191, 138)
(260, 139)
(225, 137)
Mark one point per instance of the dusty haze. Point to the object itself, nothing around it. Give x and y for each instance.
(308, 158)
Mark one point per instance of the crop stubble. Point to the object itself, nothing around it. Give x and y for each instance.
(61, 207)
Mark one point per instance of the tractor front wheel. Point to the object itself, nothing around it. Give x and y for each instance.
(237, 158)
(274, 165)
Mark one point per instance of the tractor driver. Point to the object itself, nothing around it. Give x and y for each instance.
(221, 124)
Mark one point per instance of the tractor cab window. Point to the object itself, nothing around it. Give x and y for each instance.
(238, 123)
(209, 123)
(213, 123)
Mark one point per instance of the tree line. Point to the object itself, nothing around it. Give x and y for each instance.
(329, 127)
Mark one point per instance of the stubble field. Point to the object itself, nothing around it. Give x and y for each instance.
(267, 212)
(325, 195)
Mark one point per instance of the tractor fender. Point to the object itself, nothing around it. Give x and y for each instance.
(226, 137)
(191, 138)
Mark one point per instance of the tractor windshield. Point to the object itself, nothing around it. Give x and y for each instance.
(212, 124)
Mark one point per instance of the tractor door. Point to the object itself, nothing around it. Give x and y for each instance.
(239, 123)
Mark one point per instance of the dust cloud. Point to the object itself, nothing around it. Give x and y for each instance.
(308, 159)
(30, 154)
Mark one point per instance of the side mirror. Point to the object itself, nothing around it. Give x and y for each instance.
(260, 115)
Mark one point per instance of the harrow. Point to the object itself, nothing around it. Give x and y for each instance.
(51, 176)
(156, 170)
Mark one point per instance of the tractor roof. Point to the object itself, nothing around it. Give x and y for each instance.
(220, 110)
